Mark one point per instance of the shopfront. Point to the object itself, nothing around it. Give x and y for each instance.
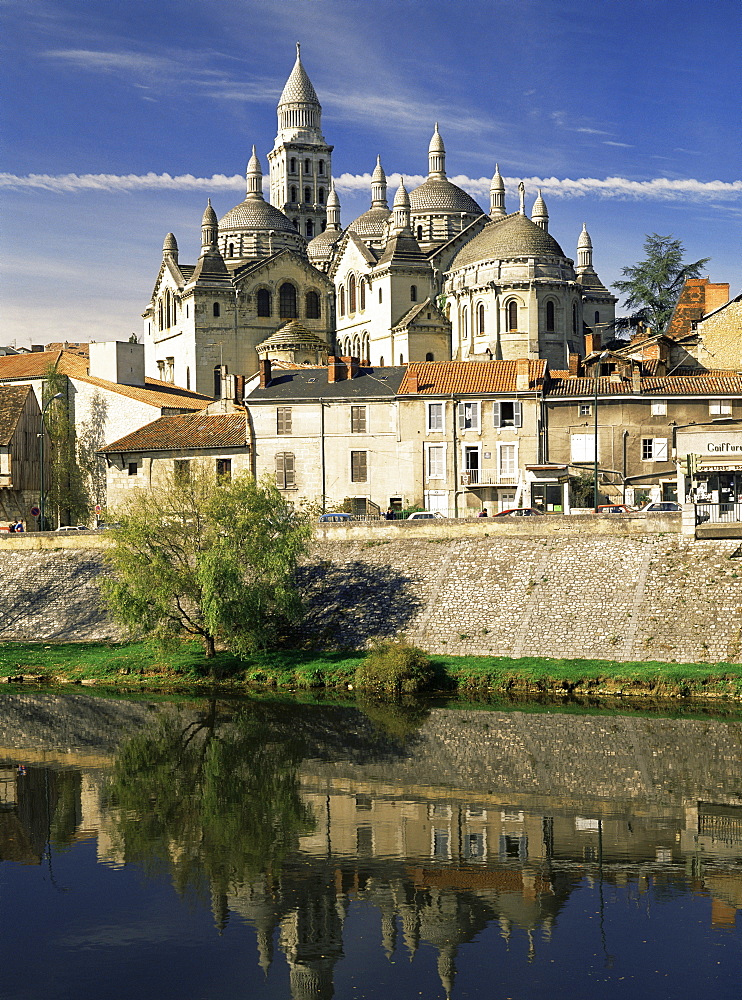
(709, 463)
(549, 488)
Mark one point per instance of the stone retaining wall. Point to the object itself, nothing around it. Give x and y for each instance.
(651, 597)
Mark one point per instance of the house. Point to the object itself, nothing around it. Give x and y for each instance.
(20, 454)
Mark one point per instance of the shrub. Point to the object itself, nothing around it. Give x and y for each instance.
(394, 668)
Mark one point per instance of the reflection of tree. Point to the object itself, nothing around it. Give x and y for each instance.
(215, 802)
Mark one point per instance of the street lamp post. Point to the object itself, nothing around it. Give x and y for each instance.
(595, 416)
(59, 395)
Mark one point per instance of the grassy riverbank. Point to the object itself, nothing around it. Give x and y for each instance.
(139, 666)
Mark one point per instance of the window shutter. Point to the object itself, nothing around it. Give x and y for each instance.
(498, 414)
(462, 416)
(288, 467)
(517, 413)
(659, 449)
(280, 475)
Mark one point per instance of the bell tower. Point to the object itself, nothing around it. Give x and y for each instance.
(301, 160)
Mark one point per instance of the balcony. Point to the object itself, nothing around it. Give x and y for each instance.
(480, 477)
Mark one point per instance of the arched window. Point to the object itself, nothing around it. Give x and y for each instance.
(480, 318)
(550, 317)
(312, 305)
(513, 315)
(356, 351)
(264, 302)
(307, 196)
(287, 301)
(419, 232)
(362, 289)
(310, 229)
(379, 296)
(230, 250)
(159, 314)
(188, 378)
(597, 318)
(464, 323)
(413, 293)
(365, 347)
(429, 356)
(292, 165)
(296, 224)
(352, 293)
(217, 310)
(574, 318)
(307, 166)
(321, 166)
(217, 382)
(381, 361)
(293, 193)
(342, 302)
(321, 196)
(401, 359)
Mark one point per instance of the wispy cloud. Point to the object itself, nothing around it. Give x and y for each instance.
(659, 188)
(621, 145)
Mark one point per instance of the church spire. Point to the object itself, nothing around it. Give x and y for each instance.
(378, 186)
(437, 156)
(299, 110)
(540, 213)
(254, 177)
(401, 208)
(497, 195)
(333, 208)
(584, 251)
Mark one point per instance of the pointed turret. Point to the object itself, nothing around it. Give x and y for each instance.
(210, 266)
(584, 251)
(497, 195)
(378, 186)
(539, 213)
(170, 248)
(437, 157)
(401, 209)
(299, 107)
(209, 228)
(254, 177)
(333, 208)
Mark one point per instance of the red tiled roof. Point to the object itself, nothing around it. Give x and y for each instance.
(469, 377)
(154, 392)
(718, 383)
(186, 431)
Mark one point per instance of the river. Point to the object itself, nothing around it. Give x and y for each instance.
(277, 848)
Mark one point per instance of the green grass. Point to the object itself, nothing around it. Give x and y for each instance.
(142, 666)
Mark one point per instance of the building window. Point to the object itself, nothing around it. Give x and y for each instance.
(230, 250)
(285, 474)
(310, 229)
(597, 318)
(292, 165)
(719, 407)
(419, 232)
(321, 167)
(469, 416)
(217, 382)
(574, 318)
(133, 468)
(436, 462)
(507, 465)
(435, 417)
(359, 467)
(188, 378)
(584, 409)
(352, 294)
(480, 319)
(379, 296)
(358, 419)
(362, 292)
(464, 323)
(287, 301)
(283, 420)
(312, 305)
(224, 467)
(182, 468)
(264, 302)
(582, 447)
(513, 315)
(654, 449)
(216, 310)
(550, 317)
(307, 196)
(295, 223)
(413, 293)
(508, 413)
(342, 302)
(429, 356)
(659, 408)
(293, 194)
(307, 166)
(321, 195)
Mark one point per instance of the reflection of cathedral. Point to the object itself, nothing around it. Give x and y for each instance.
(434, 277)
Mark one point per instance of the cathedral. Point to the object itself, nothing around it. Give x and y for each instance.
(433, 278)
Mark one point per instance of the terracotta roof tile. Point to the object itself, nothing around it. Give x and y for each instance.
(186, 431)
(469, 377)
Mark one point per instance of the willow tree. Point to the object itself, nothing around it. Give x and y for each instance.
(209, 558)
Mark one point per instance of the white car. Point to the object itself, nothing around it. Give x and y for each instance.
(72, 527)
(661, 506)
(424, 515)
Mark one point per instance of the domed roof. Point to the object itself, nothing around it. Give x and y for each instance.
(584, 242)
(321, 246)
(292, 334)
(401, 198)
(298, 89)
(255, 213)
(372, 224)
(513, 236)
(170, 244)
(209, 216)
(435, 194)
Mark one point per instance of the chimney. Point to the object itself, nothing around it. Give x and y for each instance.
(265, 372)
(522, 380)
(412, 382)
(592, 343)
(636, 378)
(351, 366)
(574, 364)
(239, 388)
(335, 369)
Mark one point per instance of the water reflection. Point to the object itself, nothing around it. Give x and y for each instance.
(454, 828)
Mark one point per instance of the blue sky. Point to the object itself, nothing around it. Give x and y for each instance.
(120, 117)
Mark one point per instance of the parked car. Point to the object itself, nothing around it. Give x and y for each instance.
(661, 507)
(327, 518)
(614, 508)
(519, 512)
(73, 527)
(424, 515)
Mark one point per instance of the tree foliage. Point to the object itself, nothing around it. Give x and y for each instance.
(651, 287)
(68, 487)
(211, 558)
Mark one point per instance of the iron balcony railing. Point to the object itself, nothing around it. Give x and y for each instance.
(479, 477)
(718, 513)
